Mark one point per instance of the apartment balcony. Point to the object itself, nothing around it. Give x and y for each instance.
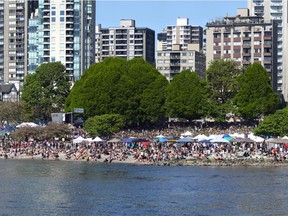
(245, 62)
(175, 64)
(246, 54)
(267, 45)
(69, 60)
(174, 71)
(246, 45)
(267, 54)
(69, 8)
(267, 61)
(174, 56)
(69, 27)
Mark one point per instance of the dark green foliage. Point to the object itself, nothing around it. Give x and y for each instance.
(222, 86)
(133, 89)
(186, 97)
(104, 125)
(255, 97)
(45, 91)
(274, 125)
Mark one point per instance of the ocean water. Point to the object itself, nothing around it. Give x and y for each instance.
(30, 187)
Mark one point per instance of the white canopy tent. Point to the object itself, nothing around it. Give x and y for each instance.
(27, 124)
(78, 139)
(200, 137)
(97, 139)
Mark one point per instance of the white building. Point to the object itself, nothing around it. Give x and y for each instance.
(126, 41)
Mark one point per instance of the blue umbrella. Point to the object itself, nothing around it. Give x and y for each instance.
(184, 140)
(161, 139)
(128, 140)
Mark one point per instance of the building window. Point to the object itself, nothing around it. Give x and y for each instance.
(53, 19)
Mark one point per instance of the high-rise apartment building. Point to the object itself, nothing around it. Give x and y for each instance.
(276, 10)
(62, 31)
(13, 39)
(179, 47)
(245, 39)
(126, 41)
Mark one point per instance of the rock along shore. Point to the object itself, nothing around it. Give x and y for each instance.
(243, 161)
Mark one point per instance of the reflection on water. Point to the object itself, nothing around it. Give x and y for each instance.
(79, 188)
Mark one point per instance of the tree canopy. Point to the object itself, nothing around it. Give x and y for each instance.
(222, 83)
(186, 96)
(45, 91)
(274, 125)
(104, 125)
(133, 89)
(255, 97)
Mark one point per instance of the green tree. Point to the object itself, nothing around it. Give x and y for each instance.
(186, 97)
(222, 83)
(45, 90)
(118, 86)
(12, 112)
(104, 125)
(255, 97)
(274, 125)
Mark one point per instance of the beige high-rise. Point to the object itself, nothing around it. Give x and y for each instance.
(277, 11)
(179, 47)
(244, 39)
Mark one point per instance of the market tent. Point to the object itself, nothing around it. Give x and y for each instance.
(240, 139)
(27, 124)
(277, 140)
(97, 139)
(78, 139)
(184, 140)
(200, 136)
(88, 139)
(187, 133)
(114, 140)
(219, 140)
(256, 138)
(204, 141)
(160, 136)
(242, 135)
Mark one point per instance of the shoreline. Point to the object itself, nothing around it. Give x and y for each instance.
(264, 162)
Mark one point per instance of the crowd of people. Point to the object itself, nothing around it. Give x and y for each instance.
(150, 151)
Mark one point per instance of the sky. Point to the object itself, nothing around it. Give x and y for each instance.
(157, 15)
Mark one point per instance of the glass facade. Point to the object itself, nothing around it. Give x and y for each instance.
(64, 34)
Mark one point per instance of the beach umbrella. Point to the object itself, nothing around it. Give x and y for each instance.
(219, 140)
(184, 140)
(204, 140)
(161, 139)
(227, 137)
(128, 140)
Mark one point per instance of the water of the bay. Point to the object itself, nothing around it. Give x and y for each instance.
(29, 187)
